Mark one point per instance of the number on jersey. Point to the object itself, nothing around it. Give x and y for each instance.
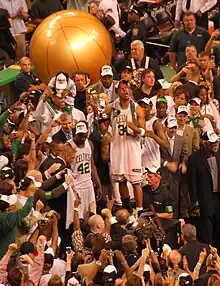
(122, 129)
(83, 168)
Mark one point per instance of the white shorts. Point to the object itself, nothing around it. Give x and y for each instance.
(133, 179)
(86, 195)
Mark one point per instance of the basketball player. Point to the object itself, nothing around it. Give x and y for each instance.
(84, 169)
(125, 151)
(154, 137)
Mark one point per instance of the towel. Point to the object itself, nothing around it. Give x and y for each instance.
(71, 196)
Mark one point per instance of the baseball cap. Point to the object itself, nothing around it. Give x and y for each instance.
(11, 200)
(81, 128)
(171, 122)
(182, 108)
(210, 136)
(73, 282)
(126, 67)
(145, 100)
(106, 70)
(162, 99)
(110, 273)
(3, 161)
(25, 183)
(153, 170)
(185, 279)
(196, 99)
(7, 173)
(164, 84)
(61, 81)
(36, 183)
(134, 9)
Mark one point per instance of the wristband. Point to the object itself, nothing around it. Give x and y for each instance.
(10, 111)
(165, 163)
(76, 209)
(197, 269)
(123, 262)
(142, 132)
(33, 149)
(198, 263)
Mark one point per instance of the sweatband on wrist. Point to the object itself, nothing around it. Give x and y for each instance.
(142, 132)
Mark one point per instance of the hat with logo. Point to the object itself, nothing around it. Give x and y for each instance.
(110, 273)
(182, 109)
(36, 183)
(81, 128)
(106, 70)
(164, 84)
(154, 170)
(171, 122)
(146, 101)
(196, 100)
(210, 136)
(11, 200)
(61, 81)
(25, 183)
(7, 173)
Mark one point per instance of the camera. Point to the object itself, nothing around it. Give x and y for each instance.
(68, 249)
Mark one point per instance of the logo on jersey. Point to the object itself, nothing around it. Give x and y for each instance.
(136, 170)
(83, 157)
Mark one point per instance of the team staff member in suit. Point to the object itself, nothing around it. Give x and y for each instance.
(204, 187)
(192, 138)
(190, 133)
(67, 131)
(175, 156)
(106, 84)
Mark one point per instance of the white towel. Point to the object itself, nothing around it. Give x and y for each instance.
(71, 195)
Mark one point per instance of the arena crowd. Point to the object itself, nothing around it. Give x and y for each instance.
(118, 182)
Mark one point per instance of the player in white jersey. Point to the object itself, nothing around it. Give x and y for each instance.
(155, 137)
(84, 170)
(125, 152)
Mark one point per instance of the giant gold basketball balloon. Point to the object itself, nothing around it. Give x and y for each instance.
(68, 41)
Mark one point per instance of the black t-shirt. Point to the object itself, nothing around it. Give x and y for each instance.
(80, 100)
(138, 93)
(41, 9)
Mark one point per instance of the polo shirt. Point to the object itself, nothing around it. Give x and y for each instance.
(160, 198)
(24, 81)
(182, 39)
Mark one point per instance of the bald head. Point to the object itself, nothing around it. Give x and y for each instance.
(96, 224)
(122, 216)
(25, 64)
(175, 257)
(36, 174)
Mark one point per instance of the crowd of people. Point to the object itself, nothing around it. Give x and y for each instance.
(118, 182)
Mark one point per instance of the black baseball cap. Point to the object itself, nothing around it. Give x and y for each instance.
(25, 183)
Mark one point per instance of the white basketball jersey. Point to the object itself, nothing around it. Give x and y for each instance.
(81, 166)
(125, 153)
(150, 148)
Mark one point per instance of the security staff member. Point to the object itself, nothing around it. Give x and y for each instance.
(137, 29)
(156, 194)
(189, 35)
